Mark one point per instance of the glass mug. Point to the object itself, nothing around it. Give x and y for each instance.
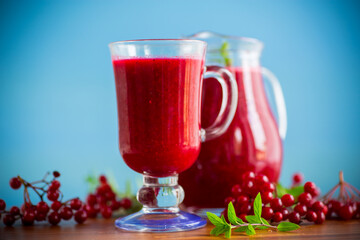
(158, 88)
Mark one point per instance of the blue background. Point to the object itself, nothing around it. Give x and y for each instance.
(57, 94)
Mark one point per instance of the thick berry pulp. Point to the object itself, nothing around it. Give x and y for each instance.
(159, 113)
(251, 142)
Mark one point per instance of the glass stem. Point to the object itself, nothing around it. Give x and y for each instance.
(160, 195)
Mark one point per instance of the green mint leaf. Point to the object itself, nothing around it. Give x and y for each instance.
(239, 220)
(231, 214)
(287, 226)
(280, 190)
(214, 219)
(258, 206)
(218, 230)
(263, 220)
(224, 220)
(296, 191)
(252, 219)
(250, 230)
(224, 51)
(228, 232)
(241, 229)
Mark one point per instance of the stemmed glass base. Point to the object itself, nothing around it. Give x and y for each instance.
(160, 198)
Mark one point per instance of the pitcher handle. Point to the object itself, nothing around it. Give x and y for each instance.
(279, 101)
(228, 105)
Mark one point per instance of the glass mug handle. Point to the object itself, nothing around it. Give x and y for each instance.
(279, 101)
(229, 101)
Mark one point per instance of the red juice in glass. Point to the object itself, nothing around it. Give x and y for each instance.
(158, 110)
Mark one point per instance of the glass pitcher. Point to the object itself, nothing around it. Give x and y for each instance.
(253, 141)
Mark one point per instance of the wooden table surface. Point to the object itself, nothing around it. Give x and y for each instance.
(105, 230)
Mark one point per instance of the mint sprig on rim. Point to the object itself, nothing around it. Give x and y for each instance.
(254, 222)
(224, 52)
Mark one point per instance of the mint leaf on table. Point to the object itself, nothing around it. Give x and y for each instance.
(287, 226)
(258, 207)
(228, 232)
(215, 219)
(250, 230)
(231, 214)
(218, 230)
(252, 219)
(241, 229)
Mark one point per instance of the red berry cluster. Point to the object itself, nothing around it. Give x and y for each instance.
(104, 201)
(29, 212)
(274, 208)
(346, 205)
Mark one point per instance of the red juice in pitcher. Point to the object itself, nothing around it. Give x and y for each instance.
(252, 142)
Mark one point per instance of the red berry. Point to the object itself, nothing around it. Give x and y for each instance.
(301, 209)
(320, 217)
(14, 211)
(53, 195)
(266, 197)
(243, 217)
(236, 190)
(310, 187)
(28, 217)
(110, 196)
(325, 209)
(248, 186)
(294, 217)
(40, 216)
(298, 178)
(91, 199)
(245, 208)
(115, 205)
(105, 211)
(126, 203)
(317, 206)
(56, 205)
(15, 183)
(54, 218)
(285, 213)
(55, 185)
(305, 198)
(66, 213)
(346, 212)
(42, 207)
(248, 176)
(80, 216)
(311, 216)
(278, 217)
(288, 200)
(267, 213)
(227, 201)
(242, 199)
(9, 220)
(276, 204)
(91, 211)
(261, 179)
(334, 206)
(2, 205)
(56, 174)
(76, 204)
(102, 179)
(268, 187)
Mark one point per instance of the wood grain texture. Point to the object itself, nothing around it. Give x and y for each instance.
(105, 230)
